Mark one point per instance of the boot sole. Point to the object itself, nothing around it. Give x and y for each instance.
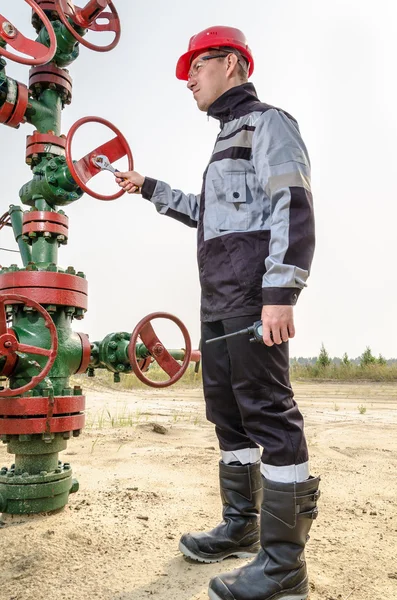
(287, 595)
(213, 596)
(248, 553)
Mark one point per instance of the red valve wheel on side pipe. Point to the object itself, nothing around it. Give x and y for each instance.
(145, 331)
(88, 18)
(84, 169)
(38, 53)
(9, 343)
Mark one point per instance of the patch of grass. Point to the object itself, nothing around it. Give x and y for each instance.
(121, 418)
(362, 409)
(343, 372)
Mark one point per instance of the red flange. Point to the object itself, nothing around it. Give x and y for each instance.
(46, 287)
(89, 17)
(38, 53)
(42, 221)
(40, 78)
(47, 415)
(86, 353)
(37, 406)
(83, 170)
(41, 425)
(145, 331)
(43, 143)
(9, 344)
(45, 216)
(12, 112)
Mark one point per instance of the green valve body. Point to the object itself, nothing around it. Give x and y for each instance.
(37, 423)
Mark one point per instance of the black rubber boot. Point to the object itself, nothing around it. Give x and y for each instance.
(279, 570)
(238, 534)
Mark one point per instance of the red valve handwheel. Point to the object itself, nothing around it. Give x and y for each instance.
(80, 16)
(40, 54)
(9, 343)
(145, 331)
(83, 170)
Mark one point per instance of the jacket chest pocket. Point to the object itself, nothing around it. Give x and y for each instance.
(231, 202)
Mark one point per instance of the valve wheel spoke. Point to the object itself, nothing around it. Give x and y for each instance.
(163, 357)
(33, 350)
(112, 25)
(86, 169)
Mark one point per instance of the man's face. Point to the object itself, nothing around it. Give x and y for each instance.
(208, 78)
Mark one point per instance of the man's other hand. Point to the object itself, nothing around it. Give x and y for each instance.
(278, 324)
(130, 181)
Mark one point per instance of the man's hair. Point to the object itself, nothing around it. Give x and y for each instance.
(242, 65)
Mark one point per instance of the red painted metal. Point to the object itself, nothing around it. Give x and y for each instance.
(43, 143)
(11, 360)
(7, 109)
(47, 74)
(144, 364)
(20, 108)
(145, 331)
(41, 425)
(53, 296)
(46, 4)
(45, 216)
(46, 287)
(13, 110)
(43, 279)
(86, 354)
(195, 356)
(38, 53)
(38, 405)
(38, 227)
(89, 18)
(9, 343)
(83, 170)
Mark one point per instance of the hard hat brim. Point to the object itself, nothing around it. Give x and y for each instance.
(183, 65)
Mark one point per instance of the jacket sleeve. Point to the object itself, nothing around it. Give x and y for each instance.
(282, 166)
(173, 203)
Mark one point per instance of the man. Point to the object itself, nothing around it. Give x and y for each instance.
(255, 245)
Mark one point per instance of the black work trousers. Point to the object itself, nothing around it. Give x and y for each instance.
(248, 394)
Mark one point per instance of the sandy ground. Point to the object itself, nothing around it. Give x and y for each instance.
(140, 490)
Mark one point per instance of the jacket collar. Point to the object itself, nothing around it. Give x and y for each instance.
(228, 106)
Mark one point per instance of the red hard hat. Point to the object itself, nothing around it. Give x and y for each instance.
(214, 37)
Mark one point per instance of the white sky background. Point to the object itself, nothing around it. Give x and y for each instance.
(330, 64)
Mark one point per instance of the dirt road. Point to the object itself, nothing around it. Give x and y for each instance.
(141, 489)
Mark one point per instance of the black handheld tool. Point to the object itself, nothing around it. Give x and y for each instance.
(255, 331)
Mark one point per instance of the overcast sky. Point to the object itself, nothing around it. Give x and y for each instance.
(330, 64)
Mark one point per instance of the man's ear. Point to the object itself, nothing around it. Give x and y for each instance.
(232, 61)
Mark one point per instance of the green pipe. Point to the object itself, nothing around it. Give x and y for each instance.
(45, 113)
(16, 215)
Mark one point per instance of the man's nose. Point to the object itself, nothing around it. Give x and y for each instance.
(190, 82)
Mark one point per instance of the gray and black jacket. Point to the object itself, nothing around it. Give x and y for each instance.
(254, 214)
